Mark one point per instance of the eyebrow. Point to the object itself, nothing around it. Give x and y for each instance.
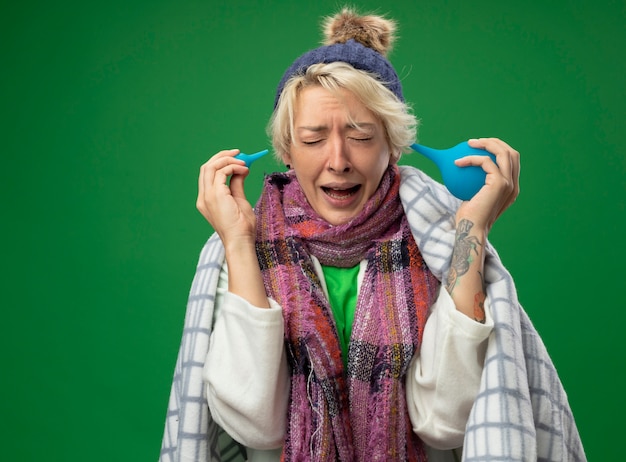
(321, 128)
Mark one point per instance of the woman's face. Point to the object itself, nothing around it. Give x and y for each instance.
(339, 153)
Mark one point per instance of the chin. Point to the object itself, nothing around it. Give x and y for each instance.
(338, 219)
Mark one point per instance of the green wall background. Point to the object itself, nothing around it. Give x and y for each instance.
(109, 108)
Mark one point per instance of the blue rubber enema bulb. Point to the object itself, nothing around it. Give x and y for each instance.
(249, 158)
(462, 182)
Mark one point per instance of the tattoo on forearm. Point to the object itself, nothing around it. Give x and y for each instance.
(479, 307)
(462, 253)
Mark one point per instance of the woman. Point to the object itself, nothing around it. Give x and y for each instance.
(332, 337)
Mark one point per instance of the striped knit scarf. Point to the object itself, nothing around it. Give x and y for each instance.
(360, 413)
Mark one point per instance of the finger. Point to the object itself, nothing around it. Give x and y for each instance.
(205, 177)
(490, 144)
(507, 179)
(495, 146)
(237, 184)
(207, 170)
(226, 153)
(511, 157)
(213, 177)
(497, 186)
(509, 161)
(229, 170)
(516, 162)
(516, 185)
(221, 160)
(217, 169)
(507, 158)
(206, 190)
(478, 160)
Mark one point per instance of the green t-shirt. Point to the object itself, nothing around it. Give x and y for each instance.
(342, 294)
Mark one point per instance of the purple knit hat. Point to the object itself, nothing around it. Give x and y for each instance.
(351, 52)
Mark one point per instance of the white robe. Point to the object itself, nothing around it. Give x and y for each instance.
(248, 380)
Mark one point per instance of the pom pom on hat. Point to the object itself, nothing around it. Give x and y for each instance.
(374, 32)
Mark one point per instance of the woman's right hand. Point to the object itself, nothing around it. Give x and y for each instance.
(226, 208)
(225, 205)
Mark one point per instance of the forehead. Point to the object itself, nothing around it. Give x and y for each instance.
(319, 102)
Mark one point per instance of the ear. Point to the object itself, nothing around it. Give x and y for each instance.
(393, 156)
(286, 158)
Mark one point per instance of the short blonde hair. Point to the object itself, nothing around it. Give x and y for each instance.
(399, 123)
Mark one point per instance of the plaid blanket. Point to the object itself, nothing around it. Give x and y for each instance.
(521, 412)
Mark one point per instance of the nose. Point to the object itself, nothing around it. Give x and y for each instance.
(338, 159)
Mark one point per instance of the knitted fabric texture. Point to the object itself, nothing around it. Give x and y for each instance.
(360, 413)
(352, 52)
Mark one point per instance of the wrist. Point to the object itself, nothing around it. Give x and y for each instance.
(240, 254)
(479, 224)
(245, 278)
(466, 226)
(240, 245)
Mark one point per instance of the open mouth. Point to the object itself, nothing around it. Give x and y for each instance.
(341, 193)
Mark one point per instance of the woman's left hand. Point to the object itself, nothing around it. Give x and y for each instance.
(501, 183)
(474, 219)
